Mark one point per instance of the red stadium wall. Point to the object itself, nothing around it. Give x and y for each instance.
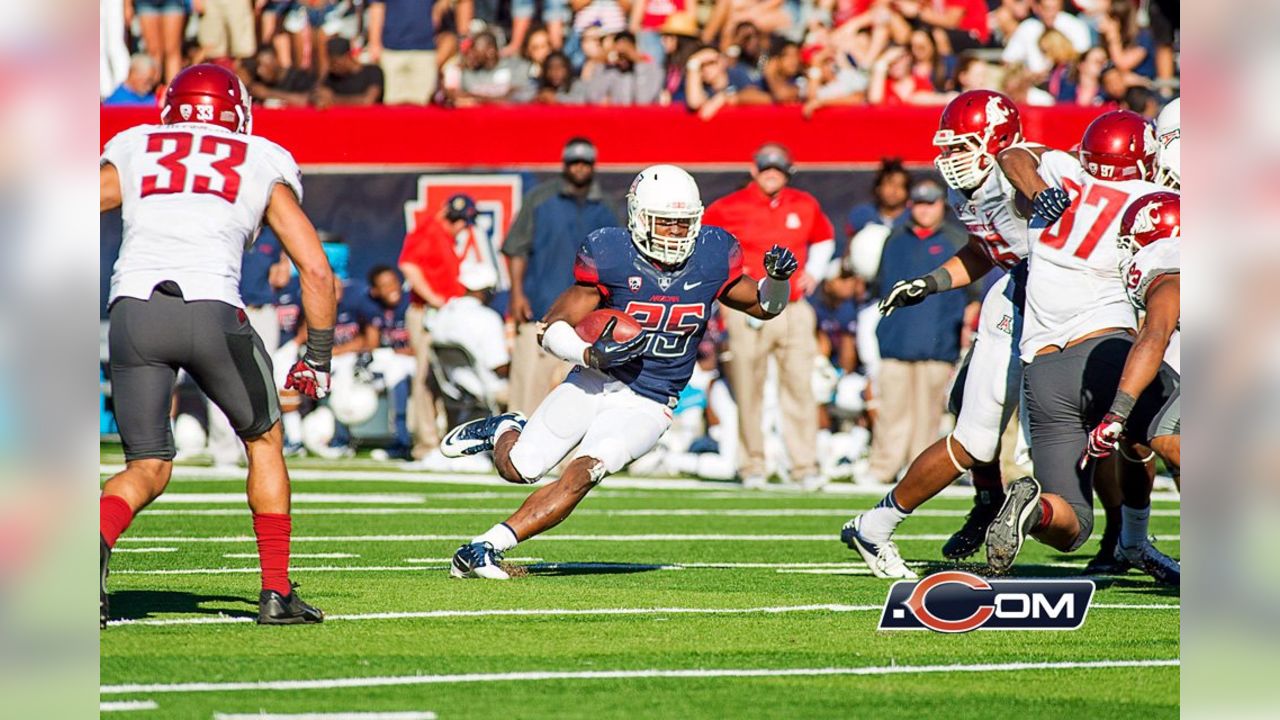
(531, 136)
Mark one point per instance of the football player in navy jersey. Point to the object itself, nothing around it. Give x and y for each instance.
(665, 270)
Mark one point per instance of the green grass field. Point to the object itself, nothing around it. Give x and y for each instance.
(646, 603)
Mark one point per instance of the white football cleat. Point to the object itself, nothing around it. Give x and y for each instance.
(478, 559)
(884, 559)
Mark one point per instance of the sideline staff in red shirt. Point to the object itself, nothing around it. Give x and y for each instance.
(429, 262)
(759, 215)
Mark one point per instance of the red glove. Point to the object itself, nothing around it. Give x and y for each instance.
(1103, 438)
(308, 380)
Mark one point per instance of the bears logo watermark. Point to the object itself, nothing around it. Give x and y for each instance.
(958, 602)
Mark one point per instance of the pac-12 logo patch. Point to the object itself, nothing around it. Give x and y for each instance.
(955, 602)
(633, 283)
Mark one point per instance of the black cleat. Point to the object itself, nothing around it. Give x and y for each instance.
(1009, 528)
(277, 609)
(104, 557)
(969, 537)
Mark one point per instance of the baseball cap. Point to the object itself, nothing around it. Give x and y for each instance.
(927, 191)
(461, 207)
(773, 157)
(477, 276)
(579, 150)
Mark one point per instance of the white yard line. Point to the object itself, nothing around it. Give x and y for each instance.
(147, 550)
(174, 498)
(127, 705)
(408, 715)
(627, 512)
(565, 612)
(292, 569)
(295, 556)
(646, 483)
(403, 680)
(825, 537)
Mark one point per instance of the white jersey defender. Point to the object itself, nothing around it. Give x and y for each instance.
(172, 174)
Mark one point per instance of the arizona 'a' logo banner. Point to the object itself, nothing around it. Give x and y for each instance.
(497, 198)
(958, 602)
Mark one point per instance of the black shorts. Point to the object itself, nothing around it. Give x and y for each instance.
(150, 340)
(1067, 394)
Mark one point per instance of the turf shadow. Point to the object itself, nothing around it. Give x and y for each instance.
(589, 568)
(142, 604)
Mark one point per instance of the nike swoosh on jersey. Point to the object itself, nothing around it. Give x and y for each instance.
(690, 286)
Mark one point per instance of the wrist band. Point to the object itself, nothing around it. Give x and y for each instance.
(773, 295)
(319, 346)
(1123, 404)
(561, 340)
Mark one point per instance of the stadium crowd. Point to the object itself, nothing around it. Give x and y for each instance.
(703, 55)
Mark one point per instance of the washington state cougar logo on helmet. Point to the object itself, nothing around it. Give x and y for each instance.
(974, 127)
(1152, 217)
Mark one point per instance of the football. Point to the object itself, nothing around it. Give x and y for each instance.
(593, 325)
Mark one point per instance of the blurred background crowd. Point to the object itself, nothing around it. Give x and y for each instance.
(702, 54)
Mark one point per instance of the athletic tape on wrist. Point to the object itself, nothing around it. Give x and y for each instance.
(319, 347)
(773, 295)
(1123, 404)
(941, 280)
(561, 340)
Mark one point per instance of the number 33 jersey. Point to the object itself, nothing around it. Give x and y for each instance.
(1075, 285)
(193, 197)
(673, 306)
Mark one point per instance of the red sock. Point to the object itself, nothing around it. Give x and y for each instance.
(1046, 515)
(114, 516)
(273, 533)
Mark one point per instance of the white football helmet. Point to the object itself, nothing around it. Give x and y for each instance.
(1169, 150)
(352, 400)
(865, 249)
(664, 192)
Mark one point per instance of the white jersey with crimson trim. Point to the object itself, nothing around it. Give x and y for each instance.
(991, 215)
(1160, 258)
(1075, 286)
(193, 198)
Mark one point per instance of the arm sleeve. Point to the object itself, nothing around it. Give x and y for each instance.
(586, 267)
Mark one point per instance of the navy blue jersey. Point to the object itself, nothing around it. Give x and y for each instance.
(351, 312)
(673, 305)
(289, 309)
(254, 268)
(390, 321)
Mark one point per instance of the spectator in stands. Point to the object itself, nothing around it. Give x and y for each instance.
(646, 20)
(1083, 84)
(764, 213)
(402, 41)
(893, 81)
(1164, 18)
(783, 72)
(973, 73)
(557, 84)
(537, 46)
(768, 15)
(927, 63)
(1063, 58)
(554, 218)
(833, 80)
(162, 23)
(469, 322)
(745, 52)
(274, 32)
(555, 14)
(680, 42)
(429, 262)
(487, 77)
(1019, 84)
(628, 77)
(349, 82)
(708, 85)
(226, 29)
(271, 83)
(1006, 18)
(836, 307)
(1024, 44)
(139, 86)
(918, 348)
(1142, 100)
(955, 25)
(607, 17)
(1131, 49)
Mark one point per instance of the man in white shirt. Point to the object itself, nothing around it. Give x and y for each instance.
(467, 321)
(1024, 44)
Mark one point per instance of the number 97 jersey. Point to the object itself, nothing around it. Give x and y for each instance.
(671, 305)
(193, 197)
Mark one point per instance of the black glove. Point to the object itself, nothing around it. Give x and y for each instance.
(1050, 203)
(606, 352)
(780, 263)
(907, 292)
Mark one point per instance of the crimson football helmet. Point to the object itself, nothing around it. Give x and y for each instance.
(1152, 217)
(1119, 145)
(208, 94)
(974, 127)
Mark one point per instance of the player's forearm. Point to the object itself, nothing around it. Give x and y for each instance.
(1145, 358)
(966, 266)
(1021, 165)
(109, 196)
(561, 340)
